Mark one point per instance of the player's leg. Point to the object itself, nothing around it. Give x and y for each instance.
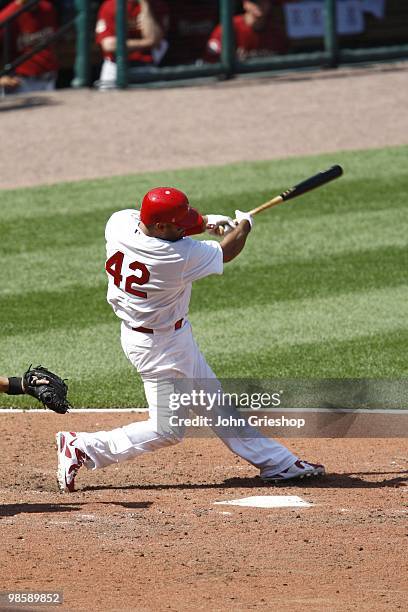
(45, 82)
(102, 448)
(127, 442)
(274, 460)
(107, 78)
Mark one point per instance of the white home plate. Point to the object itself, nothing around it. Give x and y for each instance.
(269, 501)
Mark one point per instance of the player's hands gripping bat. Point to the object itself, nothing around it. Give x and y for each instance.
(217, 224)
(317, 180)
(48, 388)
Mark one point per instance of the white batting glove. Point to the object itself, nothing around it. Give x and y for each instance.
(243, 216)
(214, 222)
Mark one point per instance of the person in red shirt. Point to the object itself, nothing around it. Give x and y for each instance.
(256, 33)
(147, 22)
(31, 27)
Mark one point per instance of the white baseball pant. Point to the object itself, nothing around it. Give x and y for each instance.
(159, 358)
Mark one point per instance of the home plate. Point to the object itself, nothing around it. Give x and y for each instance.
(269, 501)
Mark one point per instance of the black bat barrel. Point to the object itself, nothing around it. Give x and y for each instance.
(314, 181)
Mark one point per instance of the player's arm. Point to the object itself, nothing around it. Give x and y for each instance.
(4, 384)
(150, 27)
(151, 32)
(12, 386)
(15, 384)
(235, 235)
(213, 48)
(9, 82)
(234, 241)
(109, 43)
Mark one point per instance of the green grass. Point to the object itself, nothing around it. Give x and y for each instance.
(320, 290)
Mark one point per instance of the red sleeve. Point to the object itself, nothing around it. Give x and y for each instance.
(8, 10)
(105, 24)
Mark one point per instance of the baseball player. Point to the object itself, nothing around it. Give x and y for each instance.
(257, 32)
(151, 265)
(147, 22)
(39, 73)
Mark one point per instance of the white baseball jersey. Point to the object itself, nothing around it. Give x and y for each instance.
(149, 278)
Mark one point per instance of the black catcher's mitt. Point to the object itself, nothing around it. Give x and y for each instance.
(52, 394)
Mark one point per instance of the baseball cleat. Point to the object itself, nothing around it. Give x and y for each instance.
(70, 459)
(297, 471)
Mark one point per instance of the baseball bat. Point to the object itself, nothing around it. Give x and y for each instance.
(317, 180)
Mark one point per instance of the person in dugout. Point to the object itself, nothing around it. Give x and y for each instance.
(147, 23)
(31, 27)
(257, 31)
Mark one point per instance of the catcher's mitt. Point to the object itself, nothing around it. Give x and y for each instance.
(48, 388)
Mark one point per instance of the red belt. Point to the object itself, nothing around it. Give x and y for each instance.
(147, 330)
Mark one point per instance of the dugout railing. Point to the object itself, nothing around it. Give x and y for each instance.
(386, 39)
(332, 48)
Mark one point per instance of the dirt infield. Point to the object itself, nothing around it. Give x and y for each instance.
(146, 535)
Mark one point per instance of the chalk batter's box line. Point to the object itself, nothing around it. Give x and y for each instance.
(398, 411)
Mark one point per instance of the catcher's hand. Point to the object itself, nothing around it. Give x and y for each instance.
(48, 388)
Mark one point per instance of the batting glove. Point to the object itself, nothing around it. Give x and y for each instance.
(243, 216)
(214, 222)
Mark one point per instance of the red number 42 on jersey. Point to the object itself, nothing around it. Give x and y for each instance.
(114, 265)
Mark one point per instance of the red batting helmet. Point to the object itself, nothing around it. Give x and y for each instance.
(168, 205)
